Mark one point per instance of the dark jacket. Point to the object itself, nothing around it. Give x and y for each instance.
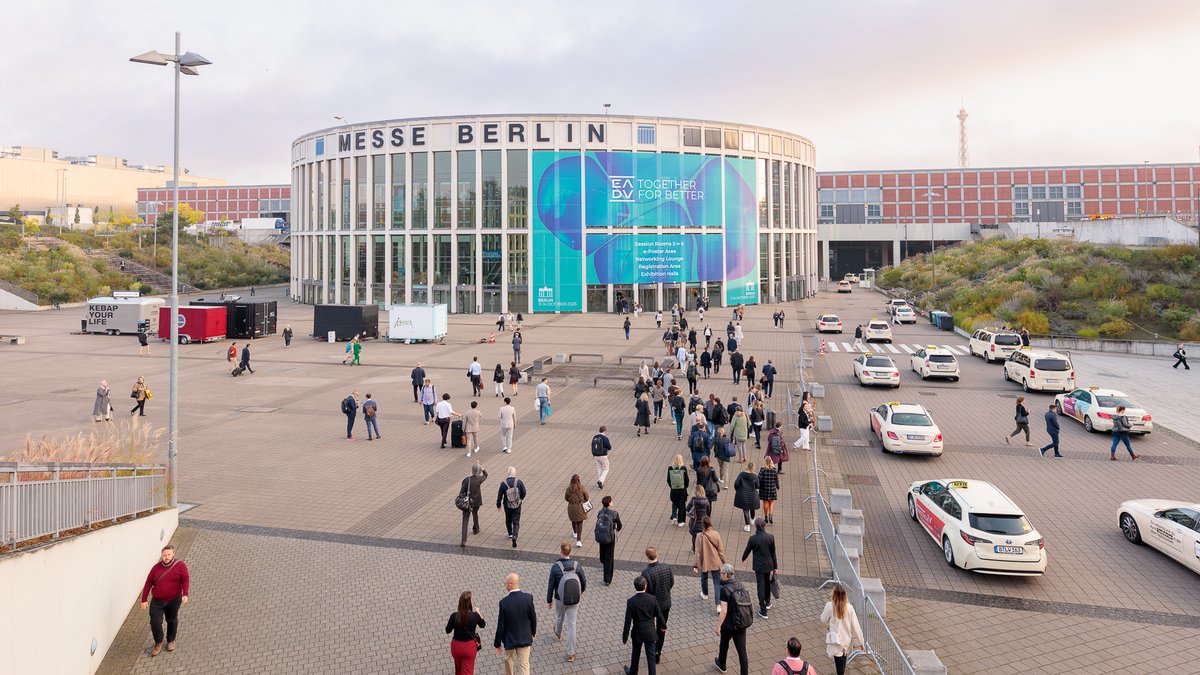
(418, 376)
(736, 361)
(643, 616)
(751, 366)
(643, 413)
(504, 485)
(470, 485)
(705, 359)
(687, 480)
(246, 354)
(1120, 424)
(556, 572)
(762, 545)
(659, 581)
(1052, 423)
(516, 623)
(1022, 414)
(745, 491)
(699, 444)
(802, 420)
(769, 371)
(697, 508)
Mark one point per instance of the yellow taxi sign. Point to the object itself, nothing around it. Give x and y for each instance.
(895, 403)
(958, 484)
(1093, 388)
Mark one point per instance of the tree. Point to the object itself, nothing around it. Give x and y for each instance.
(123, 220)
(187, 216)
(31, 226)
(49, 218)
(14, 214)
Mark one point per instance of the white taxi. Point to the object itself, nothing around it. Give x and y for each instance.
(892, 303)
(877, 331)
(978, 527)
(876, 369)
(829, 323)
(1169, 526)
(851, 277)
(934, 361)
(843, 286)
(1095, 407)
(906, 428)
(905, 314)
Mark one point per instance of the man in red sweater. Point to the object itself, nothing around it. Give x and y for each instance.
(168, 583)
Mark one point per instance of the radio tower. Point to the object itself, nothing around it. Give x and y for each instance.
(962, 138)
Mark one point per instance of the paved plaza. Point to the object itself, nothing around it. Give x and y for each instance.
(314, 554)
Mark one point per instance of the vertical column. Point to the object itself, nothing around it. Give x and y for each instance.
(895, 252)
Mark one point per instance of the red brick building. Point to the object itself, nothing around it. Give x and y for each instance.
(232, 202)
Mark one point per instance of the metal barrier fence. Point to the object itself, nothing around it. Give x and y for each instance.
(48, 507)
(881, 646)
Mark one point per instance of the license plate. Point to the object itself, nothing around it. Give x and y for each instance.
(915, 438)
(1053, 381)
(1012, 550)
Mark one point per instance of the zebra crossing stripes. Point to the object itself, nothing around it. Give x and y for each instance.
(899, 348)
(832, 346)
(891, 349)
(907, 349)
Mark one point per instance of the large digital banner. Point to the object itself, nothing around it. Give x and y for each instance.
(574, 193)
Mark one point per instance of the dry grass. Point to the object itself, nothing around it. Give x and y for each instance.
(120, 442)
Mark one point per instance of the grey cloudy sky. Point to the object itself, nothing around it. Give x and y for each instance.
(874, 83)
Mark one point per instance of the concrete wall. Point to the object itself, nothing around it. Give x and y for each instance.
(60, 600)
(10, 301)
(1122, 231)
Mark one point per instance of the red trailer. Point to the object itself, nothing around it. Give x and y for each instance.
(196, 324)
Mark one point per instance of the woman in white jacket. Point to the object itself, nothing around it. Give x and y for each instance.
(842, 628)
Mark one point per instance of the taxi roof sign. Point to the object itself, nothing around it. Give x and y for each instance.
(958, 484)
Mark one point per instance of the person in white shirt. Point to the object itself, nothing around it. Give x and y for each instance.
(737, 333)
(681, 356)
(542, 392)
(444, 412)
(508, 423)
(476, 373)
(842, 628)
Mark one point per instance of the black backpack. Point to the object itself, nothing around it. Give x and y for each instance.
(598, 445)
(788, 669)
(697, 442)
(741, 610)
(677, 404)
(347, 405)
(605, 527)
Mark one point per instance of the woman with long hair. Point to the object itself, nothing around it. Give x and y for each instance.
(657, 396)
(768, 488)
(575, 496)
(697, 511)
(514, 376)
(464, 644)
(710, 555)
(757, 417)
(642, 421)
(842, 628)
(1021, 417)
(498, 378)
(677, 481)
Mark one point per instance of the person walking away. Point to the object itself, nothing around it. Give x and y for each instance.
(464, 644)
(508, 424)
(608, 524)
(500, 322)
(642, 420)
(745, 495)
(729, 326)
(516, 345)
(428, 400)
(757, 418)
(751, 369)
(736, 363)
(733, 344)
(231, 354)
(776, 446)
(564, 592)
(370, 411)
(706, 362)
(699, 443)
(576, 497)
(140, 394)
(659, 582)
(102, 409)
(793, 664)
(1052, 430)
(768, 488)
(677, 483)
(678, 409)
(697, 511)
(842, 628)
(472, 420)
(718, 353)
(710, 555)
(542, 392)
(511, 496)
(1120, 434)
(143, 342)
(356, 361)
(166, 588)
(739, 431)
(1181, 358)
(646, 619)
(418, 380)
(723, 451)
(764, 563)
(693, 377)
(516, 627)
(706, 477)
(475, 374)
(287, 336)
(738, 334)
(349, 351)
(498, 380)
(657, 396)
(769, 371)
(735, 614)
(514, 377)
(471, 488)
(692, 338)
(350, 410)
(445, 412)
(1022, 419)
(627, 326)
(252, 291)
(245, 364)
(658, 318)
(601, 446)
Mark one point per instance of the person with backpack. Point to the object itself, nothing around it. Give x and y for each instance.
(697, 512)
(231, 354)
(350, 410)
(601, 446)
(471, 489)
(739, 431)
(734, 615)
(707, 478)
(510, 497)
(762, 546)
(776, 446)
(608, 524)
(793, 664)
(768, 488)
(1120, 434)
(677, 482)
(678, 409)
(745, 494)
(578, 506)
(842, 628)
(564, 591)
(723, 451)
(710, 556)
(699, 443)
(718, 353)
(370, 410)
(693, 377)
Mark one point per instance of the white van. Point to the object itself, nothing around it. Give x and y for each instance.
(994, 344)
(1040, 370)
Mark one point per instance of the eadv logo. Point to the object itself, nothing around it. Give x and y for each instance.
(546, 294)
(320, 146)
(620, 188)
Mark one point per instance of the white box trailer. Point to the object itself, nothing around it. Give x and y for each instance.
(122, 313)
(418, 323)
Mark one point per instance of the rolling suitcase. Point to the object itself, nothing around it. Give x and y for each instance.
(770, 418)
(458, 434)
(237, 371)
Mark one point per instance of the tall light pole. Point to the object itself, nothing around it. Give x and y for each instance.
(185, 64)
(929, 195)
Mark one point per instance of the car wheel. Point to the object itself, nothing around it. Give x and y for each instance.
(1087, 424)
(987, 358)
(895, 386)
(924, 375)
(1128, 527)
(1058, 408)
(1025, 385)
(954, 379)
(948, 551)
(912, 508)
(183, 340)
(1004, 373)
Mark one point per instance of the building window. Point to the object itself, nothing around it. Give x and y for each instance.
(747, 141)
(787, 194)
(518, 259)
(492, 194)
(646, 134)
(1054, 192)
(518, 189)
(345, 222)
(379, 193)
(1074, 192)
(379, 264)
(398, 195)
(691, 137)
(420, 191)
(466, 260)
(360, 254)
(731, 139)
(1074, 208)
(491, 268)
(761, 191)
(398, 275)
(775, 210)
(360, 193)
(420, 260)
(712, 138)
(874, 210)
(443, 190)
(320, 195)
(441, 259)
(1021, 209)
(466, 189)
(1021, 193)
(826, 210)
(1037, 192)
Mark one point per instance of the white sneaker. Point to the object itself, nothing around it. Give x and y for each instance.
(681, 524)
(578, 543)
(703, 596)
(508, 451)
(468, 453)
(477, 448)
(745, 528)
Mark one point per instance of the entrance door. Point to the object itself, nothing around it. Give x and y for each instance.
(670, 296)
(648, 296)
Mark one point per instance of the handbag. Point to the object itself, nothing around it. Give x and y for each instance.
(463, 502)
(775, 586)
(587, 506)
(478, 643)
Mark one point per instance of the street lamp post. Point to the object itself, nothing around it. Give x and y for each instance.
(185, 64)
(929, 195)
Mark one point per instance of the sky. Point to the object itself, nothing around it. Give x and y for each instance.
(875, 84)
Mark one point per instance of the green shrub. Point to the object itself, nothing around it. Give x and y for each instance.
(1089, 332)
(145, 289)
(1191, 330)
(1178, 316)
(1034, 322)
(1162, 292)
(1116, 328)
(1112, 308)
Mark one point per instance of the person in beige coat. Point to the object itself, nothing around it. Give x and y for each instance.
(710, 555)
(576, 496)
(842, 628)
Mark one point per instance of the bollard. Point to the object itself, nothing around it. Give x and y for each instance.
(853, 517)
(840, 499)
(925, 662)
(852, 554)
(850, 536)
(816, 390)
(824, 423)
(873, 589)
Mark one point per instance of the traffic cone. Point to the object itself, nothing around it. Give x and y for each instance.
(492, 338)
(823, 347)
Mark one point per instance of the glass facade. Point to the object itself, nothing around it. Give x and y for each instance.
(420, 190)
(466, 189)
(398, 193)
(443, 190)
(493, 199)
(518, 189)
(378, 192)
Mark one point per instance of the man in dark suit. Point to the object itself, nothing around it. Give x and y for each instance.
(644, 616)
(762, 545)
(512, 513)
(470, 487)
(516, 627)
(659, 581)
